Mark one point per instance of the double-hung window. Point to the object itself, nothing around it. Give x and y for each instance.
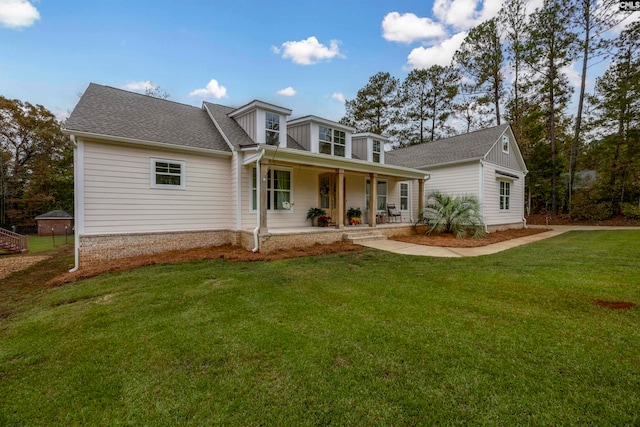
(376, 151)
(505, 195)
(381, 194)
(278, 190)
(272, 128)
(167, 173)
(404, 196)
(332, 141)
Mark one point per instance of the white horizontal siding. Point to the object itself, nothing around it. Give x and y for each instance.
(493, 214)
(455, 179)
(119, 198)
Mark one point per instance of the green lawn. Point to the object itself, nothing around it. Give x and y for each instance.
(366, 338)
(46, 243)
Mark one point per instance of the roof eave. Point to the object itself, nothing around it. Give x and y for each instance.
(322, 160)
(146, 143)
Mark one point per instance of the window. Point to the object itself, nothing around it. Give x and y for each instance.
(505, 195)
(505, 144)
(278, 189)
(167, 174)
(404, 196)
(332, 141)
(272, 126)
(381, 193)
(376, 151)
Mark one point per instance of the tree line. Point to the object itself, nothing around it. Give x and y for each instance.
(36, 164)
(512, 69)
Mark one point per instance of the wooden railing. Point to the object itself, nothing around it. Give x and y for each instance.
(13, 242)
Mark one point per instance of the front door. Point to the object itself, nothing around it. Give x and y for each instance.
(328, 191)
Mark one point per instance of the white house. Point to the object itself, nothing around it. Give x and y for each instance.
(154, 175)
(487, 163)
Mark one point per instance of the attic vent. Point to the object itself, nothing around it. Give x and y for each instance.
(501, 174)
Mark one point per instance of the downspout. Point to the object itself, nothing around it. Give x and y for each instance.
(486, 227)
(524, 220)
(258, 207)
(75, 205)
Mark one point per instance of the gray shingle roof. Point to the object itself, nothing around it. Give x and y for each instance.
(232, 130)
(472, 145)
(108, 111)
(54, 215)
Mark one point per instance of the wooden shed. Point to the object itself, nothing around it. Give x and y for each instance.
(59, 221)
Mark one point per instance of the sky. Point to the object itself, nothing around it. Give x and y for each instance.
(305, 56)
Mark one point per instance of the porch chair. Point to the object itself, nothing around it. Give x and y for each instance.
(394, 213)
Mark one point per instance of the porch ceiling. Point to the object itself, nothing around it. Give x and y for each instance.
(325, 161)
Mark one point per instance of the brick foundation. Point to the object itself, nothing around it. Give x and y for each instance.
(108, 247)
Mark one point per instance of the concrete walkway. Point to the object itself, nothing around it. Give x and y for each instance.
(437, 251)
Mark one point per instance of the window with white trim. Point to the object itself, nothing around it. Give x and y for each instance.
(332, 141)
(272, 128)
(505, 195)
(167, 173)
(404, 196)
(381, 193)
(376, 151)
(278, 189)
(505, 144)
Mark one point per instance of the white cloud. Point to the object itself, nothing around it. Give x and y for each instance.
(17, 13)
(408, 28)
(139, 86)
(289, 91)
(464, 14)
(338, 96)
(212, 90)
(573, 75)
(309, 51)
(440, 54)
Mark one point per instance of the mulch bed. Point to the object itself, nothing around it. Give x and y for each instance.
(450, 241)
(615, 305)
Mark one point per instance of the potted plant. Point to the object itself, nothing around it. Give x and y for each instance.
(323, 221)
(314, 213)
(354, 215)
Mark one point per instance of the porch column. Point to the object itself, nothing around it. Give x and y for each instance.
(340, 195)
(373, 199)
(420, 199)
(262, 185)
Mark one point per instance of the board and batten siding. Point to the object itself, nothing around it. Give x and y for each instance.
(491, 203)
(249, 123)
(119, 198)
(301, 133)
(499, 157)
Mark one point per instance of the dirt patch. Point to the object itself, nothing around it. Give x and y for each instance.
(228, 252)
(11, 264)
(615, 305)
(450, 241)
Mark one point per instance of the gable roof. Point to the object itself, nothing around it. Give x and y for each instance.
(112, 112)
(468, 146)
(58, 214)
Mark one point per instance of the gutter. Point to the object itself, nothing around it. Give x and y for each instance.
(258, 207)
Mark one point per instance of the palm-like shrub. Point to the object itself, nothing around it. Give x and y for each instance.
(457, 215)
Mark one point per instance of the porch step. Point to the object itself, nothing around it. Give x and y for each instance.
(363, 237)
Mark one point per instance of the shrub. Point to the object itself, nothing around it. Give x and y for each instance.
(585, 209)
(631, 210)
(453, 214)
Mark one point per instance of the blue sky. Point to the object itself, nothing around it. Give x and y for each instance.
(306, 56)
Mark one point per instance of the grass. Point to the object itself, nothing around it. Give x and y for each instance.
(363, 338)
(39, 244)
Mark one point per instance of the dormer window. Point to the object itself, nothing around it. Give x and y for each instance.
(272, 128)
(376, 151)
(505, 144)
(332, 141)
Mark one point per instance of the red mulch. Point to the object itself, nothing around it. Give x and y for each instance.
(450, 241)
(617, 221)
(228, 252)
